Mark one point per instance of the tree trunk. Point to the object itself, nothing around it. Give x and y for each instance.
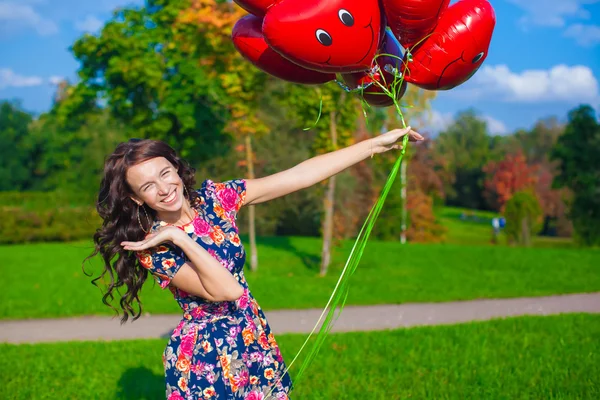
(403, 196)
(525, 235)
(251, 214)
(328, 205)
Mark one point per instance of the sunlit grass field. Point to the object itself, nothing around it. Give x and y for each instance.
(555, 357)
(46, 280)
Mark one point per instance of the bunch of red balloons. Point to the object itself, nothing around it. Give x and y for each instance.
(367, 44)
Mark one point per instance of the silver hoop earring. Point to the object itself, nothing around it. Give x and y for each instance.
(139, 219)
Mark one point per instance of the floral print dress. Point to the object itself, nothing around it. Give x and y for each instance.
(219, 350)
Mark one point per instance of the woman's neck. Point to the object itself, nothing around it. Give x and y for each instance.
(181, 217)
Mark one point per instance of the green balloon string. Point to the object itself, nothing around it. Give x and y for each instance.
(320, 112)
(337, 300)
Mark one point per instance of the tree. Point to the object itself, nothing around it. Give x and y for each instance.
(17, 148)
(537, 143)
(523, 214)
(148, 69)
(424, 226)
(465, 147)
(72, 159)
(577, 151)
(507, 177)
(423, 173)
(553, 202)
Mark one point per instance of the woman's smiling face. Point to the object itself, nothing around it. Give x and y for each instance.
(156, 183)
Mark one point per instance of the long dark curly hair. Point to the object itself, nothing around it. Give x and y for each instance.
(121, 223)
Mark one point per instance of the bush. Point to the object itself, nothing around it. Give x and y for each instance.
(523, 215)
(35, 216)
(423, 226)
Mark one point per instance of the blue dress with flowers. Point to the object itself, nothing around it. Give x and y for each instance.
(222, 350)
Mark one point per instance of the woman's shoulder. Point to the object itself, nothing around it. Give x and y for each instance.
(203, 193)
(210, 187)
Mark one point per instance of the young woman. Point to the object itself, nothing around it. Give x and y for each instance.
(154, 220)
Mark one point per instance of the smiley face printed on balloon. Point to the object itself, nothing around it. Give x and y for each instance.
(249, 41)
(325, 35)
(456, 49)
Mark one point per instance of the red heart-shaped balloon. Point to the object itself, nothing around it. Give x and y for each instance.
(456, 49)
(256, 7)
(389, 56)
(249, 41)
(326, 35)
(412, 20)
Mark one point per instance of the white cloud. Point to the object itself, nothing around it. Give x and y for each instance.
(8, 78)
(560, 83)
(584, 35)
(437, 122)
(18, 16)
(55, 80)
(553, 12)
(495, 127)
(90, 24)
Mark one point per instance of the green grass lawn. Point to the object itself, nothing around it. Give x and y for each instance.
(45, 280)
(555, 357)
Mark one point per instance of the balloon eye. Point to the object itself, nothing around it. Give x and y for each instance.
(324, 38)
(478, 57)
(346, 18)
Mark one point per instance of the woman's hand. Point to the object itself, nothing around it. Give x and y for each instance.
(165, 234)
(393, 140)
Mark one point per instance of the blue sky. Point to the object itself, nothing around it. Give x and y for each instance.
(543, 61)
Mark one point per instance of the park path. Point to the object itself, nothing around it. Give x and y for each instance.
(353, 318)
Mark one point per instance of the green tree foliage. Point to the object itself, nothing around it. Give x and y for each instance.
(18, 149)
(147, 67)
(465, 147)
(538, 142)
(523, 216)
(577, 150)
(73, 156)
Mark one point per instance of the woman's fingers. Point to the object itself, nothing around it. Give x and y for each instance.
(132, 245)
(414, 136)
(141, 245)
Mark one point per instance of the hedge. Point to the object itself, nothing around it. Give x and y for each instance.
(36, 216)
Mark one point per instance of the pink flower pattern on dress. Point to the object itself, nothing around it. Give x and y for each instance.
(207, 356)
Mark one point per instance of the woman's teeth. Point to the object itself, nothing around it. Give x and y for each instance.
(170, 198)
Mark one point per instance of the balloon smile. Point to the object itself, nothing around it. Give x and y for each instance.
(448, 66)
(370, 26)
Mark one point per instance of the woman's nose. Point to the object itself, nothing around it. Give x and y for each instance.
(163, 188)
